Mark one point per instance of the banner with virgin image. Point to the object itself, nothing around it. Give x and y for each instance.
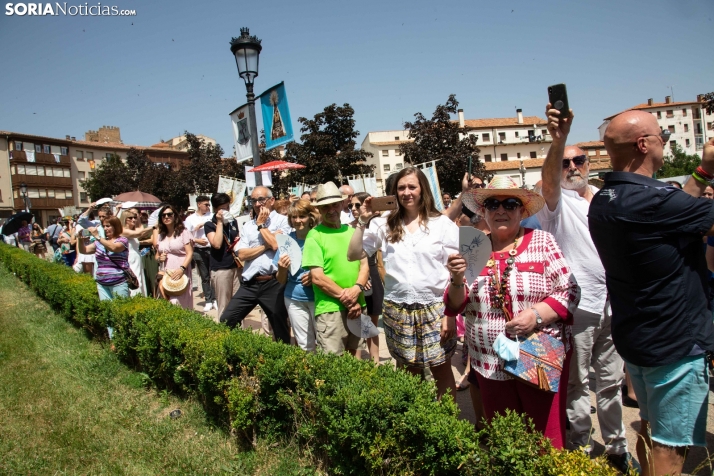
(276, 117)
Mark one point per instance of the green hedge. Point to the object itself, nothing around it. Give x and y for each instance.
(351, 416)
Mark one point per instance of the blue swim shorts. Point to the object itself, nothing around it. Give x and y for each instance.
(673, 399)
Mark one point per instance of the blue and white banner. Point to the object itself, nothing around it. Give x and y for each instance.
(433, 179)
(241, 134)
(276, 117)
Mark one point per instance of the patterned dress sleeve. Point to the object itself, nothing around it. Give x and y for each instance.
(565, 297)
(185, 237)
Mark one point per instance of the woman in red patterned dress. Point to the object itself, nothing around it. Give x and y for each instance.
(526, 286)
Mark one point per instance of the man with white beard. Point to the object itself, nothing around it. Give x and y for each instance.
(568, 196)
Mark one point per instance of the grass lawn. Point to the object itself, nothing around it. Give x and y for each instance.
(68, 406)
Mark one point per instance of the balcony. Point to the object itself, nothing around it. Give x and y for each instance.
(41, 181)
(40, 158)
(44, 203)
(699, 141)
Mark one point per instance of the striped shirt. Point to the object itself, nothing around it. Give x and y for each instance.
(110, 270)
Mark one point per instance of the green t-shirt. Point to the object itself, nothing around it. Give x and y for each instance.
(326, 248)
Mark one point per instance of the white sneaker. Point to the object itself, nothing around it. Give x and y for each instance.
(215, 305)
(207, 307)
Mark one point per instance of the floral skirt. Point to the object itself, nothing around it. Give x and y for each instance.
(413, 334)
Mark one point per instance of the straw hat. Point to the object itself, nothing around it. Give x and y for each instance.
(328, 193)
(174, 287)
(502, 185)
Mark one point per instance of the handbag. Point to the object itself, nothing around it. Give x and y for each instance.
(540, 361)
(229, 249)
(131, 280)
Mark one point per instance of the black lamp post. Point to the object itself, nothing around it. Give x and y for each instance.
(246, 49)
(23, 193)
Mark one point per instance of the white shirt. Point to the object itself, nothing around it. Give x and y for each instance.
(194, 224)
(346, 217)
(568, 223)
(416, 266)
(251, 238)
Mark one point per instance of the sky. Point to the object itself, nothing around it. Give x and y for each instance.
(169, 68)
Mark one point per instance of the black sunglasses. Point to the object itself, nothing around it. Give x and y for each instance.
(167, 215)
(354, 205)
(578, 160)
(478, 185)
(509, 204)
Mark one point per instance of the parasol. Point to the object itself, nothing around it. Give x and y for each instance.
(276, 165)
(143, 200)
(15, 222)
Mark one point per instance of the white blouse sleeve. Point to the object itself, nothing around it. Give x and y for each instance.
(449, 238)
(372, 238)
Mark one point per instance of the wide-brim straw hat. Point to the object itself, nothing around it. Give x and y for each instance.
(503, 185)
(328, 193)
(174, 287)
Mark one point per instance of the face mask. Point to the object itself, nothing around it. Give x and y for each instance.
(506, 348)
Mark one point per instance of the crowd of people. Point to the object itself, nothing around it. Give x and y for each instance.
(614, 279)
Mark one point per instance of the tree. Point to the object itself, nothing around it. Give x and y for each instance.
(327, 148)
(709, 102)
(678, 163)
(110, 178)
(437, 139)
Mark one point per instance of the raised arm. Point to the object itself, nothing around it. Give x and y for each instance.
(559, 128)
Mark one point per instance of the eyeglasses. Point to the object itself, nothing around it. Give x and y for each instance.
(509, 204)
(578, 160)
(260, 199)
(664, 136)
(354, 205)
(478, 185)
(167, 215)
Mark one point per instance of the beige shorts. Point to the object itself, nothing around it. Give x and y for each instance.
(332, 335)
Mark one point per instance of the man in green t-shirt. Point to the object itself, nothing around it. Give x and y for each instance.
(338, 282)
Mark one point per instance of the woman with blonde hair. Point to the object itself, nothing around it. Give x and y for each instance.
(299, 296)
(415, 240)
(134, 231)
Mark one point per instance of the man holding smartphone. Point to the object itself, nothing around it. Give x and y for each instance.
(568, 195)
(257, 248)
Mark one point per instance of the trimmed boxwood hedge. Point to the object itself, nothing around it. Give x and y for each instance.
(351, 416)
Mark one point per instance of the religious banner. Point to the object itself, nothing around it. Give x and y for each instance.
(241, 134)
(370, 186)
(234, 189)
(433, 179)
(297, 190)
(250, 178)
(276, 117)
(192, 201)
(356, 183)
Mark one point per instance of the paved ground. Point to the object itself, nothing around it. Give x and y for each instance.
(463, 398)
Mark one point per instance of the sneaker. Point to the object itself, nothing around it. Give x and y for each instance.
(215, 304)
(207, 307)
(624, 462)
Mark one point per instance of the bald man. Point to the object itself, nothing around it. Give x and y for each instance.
(346, 215)
(649, 237)
(568, 195)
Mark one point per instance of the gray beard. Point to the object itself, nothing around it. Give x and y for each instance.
(573, 182)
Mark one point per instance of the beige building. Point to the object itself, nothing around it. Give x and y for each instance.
(179, 143)
(687, 121)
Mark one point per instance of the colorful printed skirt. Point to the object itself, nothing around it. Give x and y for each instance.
(413, 333)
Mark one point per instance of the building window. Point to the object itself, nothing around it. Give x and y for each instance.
(91, 174)
(83, 196)
(43, 193)
(31, 170)
(40, 170)
(533, 155)
(487, 137)
(399, 166)
(59, 194)
(686, 142)
(66, 173)
(396, 137)
(501, 136)
(543, 132)
(38, 148)
(710, 126)
(398, 152)
(686, 127)
(504, 157)
(33, 193)
(487, 157)
(385, 153)
(80, 155)
(18, 145)
(672, 143)
(385, 166)
(518, 155)
(82, 175)
(670, 129)
(659, 114)
(684, 113)
(47, 149)
(64, 151)
(21, 169)
(68, 194)
(15, 193)
(670, 113)
(603, 152)
(591, 152)
(50, 193)
(89, 156)
(516, 133)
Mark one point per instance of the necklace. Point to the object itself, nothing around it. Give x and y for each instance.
(498, 289)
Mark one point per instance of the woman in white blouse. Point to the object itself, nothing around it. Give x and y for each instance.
(415, 241)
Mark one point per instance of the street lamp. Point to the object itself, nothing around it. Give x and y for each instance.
(522, 170)
(246, 49)
(23, 192)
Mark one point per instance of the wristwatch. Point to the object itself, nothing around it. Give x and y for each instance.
(360, 287)
(260, 227)
(539, 320)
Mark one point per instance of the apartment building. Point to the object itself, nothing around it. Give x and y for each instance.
(687, 121)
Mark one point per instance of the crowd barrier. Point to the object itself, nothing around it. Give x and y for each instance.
(350, 416)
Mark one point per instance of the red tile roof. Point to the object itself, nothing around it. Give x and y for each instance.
(590, 144)
(504, 122)
(655, 105)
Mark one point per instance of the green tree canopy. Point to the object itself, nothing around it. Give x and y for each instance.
(437, 139)
(111, 177)
(678, 163)
(327, 148)
(709, 102)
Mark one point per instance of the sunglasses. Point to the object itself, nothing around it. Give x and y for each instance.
(509, 204)
(578, 160)
(478, 185)
(354, 205)
(131, 217)
(167, 215)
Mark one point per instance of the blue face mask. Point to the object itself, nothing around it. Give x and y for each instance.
(506, 348)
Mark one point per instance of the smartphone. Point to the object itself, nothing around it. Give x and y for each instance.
(558, 97)
(380, 204)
